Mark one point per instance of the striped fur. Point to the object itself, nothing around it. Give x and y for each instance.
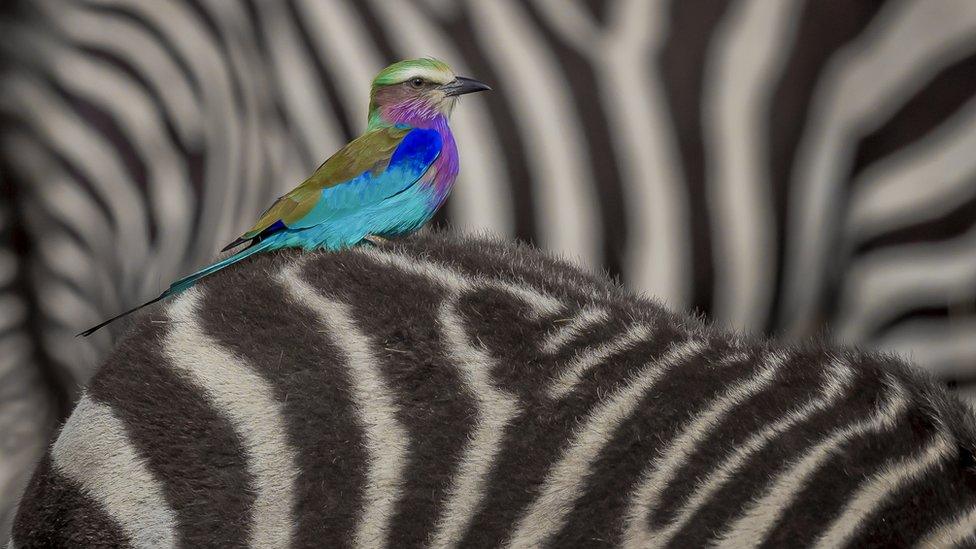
(452, 392)
(27, 406)
(786, 167)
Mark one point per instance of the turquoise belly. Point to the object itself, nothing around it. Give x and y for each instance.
(394, 216)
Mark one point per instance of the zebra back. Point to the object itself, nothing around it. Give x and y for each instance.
(443, 391)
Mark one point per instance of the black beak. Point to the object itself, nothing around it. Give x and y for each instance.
(462, 85)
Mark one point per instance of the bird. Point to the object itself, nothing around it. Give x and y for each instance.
(386, 183)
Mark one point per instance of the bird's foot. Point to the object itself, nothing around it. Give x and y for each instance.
(375, 240)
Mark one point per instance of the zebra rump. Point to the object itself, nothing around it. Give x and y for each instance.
(445, 391)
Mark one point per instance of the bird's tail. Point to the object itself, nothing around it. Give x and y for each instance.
(187, 281)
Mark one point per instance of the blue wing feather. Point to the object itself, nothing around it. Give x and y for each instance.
(411, 159)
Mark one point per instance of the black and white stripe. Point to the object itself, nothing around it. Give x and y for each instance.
(439, 392)
(27, 409)
(784, 167)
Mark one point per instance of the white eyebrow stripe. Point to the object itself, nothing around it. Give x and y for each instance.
(427, 73)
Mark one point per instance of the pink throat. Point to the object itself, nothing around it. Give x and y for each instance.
(413, 113)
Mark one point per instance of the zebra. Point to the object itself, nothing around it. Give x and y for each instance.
(711, 154)
(454, 391)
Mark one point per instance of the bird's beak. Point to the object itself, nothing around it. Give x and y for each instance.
(462, 85)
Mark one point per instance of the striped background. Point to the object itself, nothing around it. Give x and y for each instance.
(783, 166)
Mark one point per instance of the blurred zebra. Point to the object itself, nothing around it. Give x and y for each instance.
(446, 392)
(781, 166)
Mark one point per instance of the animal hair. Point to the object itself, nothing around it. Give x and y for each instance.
(445, 390)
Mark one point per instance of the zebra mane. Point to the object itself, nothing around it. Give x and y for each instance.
(445, 390)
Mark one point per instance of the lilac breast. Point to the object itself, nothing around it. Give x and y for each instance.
(442, 173)
(445, 169)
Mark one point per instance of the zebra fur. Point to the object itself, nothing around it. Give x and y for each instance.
(445, 391)
(709, 154)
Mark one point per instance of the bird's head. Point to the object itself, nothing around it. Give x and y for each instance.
(416, 92)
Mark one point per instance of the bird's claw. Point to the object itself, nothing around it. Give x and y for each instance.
(375, 240)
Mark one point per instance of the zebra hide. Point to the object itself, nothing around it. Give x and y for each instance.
(782, 166)
(444, 391)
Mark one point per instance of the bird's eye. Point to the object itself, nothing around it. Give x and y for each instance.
(417, 83)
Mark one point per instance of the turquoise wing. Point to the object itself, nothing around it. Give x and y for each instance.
(412, 158)
(376, 165)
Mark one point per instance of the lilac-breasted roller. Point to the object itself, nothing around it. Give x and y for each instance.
(387, 182)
